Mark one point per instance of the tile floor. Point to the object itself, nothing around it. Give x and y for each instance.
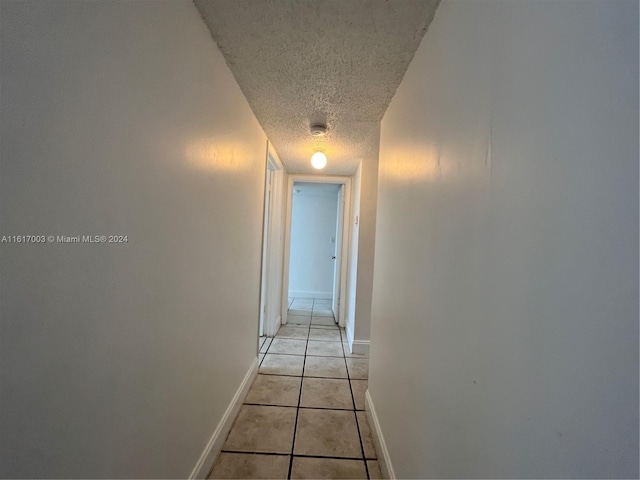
(304, 414)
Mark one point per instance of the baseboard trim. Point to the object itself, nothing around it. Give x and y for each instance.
(360, 347)
(378, 439)
(305, 294)
(211, 451)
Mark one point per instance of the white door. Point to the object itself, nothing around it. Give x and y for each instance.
(337, 256)
(266, 234)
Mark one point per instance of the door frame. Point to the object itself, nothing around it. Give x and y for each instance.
(272, 247)
(343, 261)
(337, 281)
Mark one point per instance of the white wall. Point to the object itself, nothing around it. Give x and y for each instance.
(122, 118)
(313, 226)
(505, 304)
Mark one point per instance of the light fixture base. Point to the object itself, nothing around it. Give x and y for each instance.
(318, 129)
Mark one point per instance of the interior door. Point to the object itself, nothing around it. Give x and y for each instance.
(264, 288)
(337, 255)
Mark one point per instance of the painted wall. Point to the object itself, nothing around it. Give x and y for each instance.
(119, 360)
(505, 303)
(313, 226)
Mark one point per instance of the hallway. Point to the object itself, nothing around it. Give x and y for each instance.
(304, 414)
(488, 247)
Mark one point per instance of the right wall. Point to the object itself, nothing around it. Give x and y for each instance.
(505, 299)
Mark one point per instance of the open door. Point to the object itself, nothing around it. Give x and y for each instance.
(337, 256)
(266, 237)
(341, 247)
(272, 246)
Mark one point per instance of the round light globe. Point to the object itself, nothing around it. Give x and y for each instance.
(318, 160)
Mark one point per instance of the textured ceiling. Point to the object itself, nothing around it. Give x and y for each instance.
(334, 61)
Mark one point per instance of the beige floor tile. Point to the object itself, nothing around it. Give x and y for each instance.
(260, 357)
(288, 345)
(365, 435)
(331, 433)
(359, 387)
(300, 311)
(325, 334)
(326, 393)
(325, 367)
(298, 319)
(323, 308)
(248, 465)
(293, 331)
(301, 305)
(322, 312)
(275, 364)
(316, 320)
(374, 470)
(262, 429)
(265, 345)
(325, 349)
(274, 390)
(358, 368)
(304, 467)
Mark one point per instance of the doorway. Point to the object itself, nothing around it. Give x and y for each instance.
(271, 276)
(316, 238)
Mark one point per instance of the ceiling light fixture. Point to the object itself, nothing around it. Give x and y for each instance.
(319, 160)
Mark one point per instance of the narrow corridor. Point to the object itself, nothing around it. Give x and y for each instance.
(304, 414)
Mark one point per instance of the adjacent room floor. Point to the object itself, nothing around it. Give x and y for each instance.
(304, 414)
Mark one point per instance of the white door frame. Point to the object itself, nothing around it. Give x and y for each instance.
(272, 246)
(340, 213)
(343, 261)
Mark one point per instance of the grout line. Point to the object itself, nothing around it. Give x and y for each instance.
(328, 408)
(288, 354)
(332, 458)
(303, 408)
(299, 355)
(353, 399)
(295, 425)
(298, 455)
(305, 376)
(265, 354)
(256, 453)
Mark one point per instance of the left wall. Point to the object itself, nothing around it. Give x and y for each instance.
(122, 118)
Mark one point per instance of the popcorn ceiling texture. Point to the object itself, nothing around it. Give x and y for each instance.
(335, 61)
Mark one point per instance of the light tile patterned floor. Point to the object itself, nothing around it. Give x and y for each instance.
(304, 414)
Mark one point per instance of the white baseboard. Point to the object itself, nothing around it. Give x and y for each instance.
(211, 451)
(378, 439)
(360, 347)
(309, 294)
